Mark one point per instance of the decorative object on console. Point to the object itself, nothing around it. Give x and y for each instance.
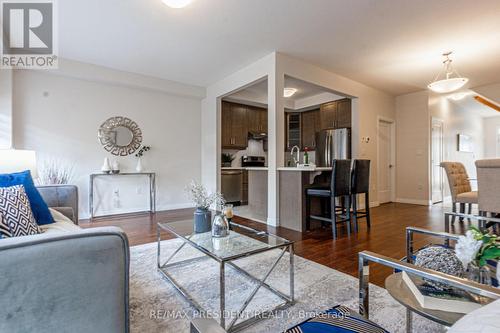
(228, 212)
(139, 167)
(106, 167)
(441, 259)
(198, 194)
(16, 217)
(475, 250)
(226, 159)
(120, 136)
(116, 167)
(55, 172)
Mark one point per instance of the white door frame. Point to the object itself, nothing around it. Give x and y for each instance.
(440, 121)
(392, 124)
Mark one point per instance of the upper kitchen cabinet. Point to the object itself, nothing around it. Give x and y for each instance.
(311, 123)
(336, 114)
(344, 113)
(257, 119)
(234, 126)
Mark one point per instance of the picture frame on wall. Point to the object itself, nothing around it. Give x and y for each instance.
(464, 143)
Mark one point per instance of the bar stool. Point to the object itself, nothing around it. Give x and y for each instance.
(340, 187)
(360, 184)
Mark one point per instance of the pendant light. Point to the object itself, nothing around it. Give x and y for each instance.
(450, 81)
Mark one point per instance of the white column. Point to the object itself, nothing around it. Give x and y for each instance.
(6, 96)
(276, 140)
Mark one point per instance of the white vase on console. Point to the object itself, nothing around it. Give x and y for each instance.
(106, 167)
(139, 167)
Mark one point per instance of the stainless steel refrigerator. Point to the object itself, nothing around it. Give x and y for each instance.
(332, 144)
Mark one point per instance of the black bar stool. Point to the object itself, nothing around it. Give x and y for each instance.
(360, 184)
(340, 187)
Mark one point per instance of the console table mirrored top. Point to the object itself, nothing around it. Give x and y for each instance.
(152, 188)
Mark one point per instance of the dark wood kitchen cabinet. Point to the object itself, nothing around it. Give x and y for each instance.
(344, 113)
(310, 125)
(257, 119)
(336, 114)
(234, 126)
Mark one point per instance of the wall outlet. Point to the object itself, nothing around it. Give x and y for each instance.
(116, 192)
(138, 190)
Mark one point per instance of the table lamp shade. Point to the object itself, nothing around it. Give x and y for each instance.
(15, 160)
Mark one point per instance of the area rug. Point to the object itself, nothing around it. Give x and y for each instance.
(156, 306)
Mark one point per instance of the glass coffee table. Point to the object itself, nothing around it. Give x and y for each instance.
(242, 242)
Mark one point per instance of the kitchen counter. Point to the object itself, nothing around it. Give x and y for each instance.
(246, 168)
(306, 169)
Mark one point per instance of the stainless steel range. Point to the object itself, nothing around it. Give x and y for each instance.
(253, 161)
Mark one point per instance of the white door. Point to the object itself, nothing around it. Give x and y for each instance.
(437, 176)
(385, 161)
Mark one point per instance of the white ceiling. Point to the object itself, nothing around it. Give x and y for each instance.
(308, 95)
(471, 105)
(393, 45)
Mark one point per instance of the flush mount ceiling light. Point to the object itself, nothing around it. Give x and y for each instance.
(448, 79)
(177, 3)
(289, 92)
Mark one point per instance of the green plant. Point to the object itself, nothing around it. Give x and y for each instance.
(227, 158)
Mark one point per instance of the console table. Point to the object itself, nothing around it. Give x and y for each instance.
(152, 188)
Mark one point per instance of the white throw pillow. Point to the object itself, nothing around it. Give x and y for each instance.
(483, 320)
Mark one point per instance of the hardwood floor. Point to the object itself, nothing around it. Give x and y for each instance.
(386, 235)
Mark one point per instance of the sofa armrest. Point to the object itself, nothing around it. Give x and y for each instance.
(58, 196)
(65, 282)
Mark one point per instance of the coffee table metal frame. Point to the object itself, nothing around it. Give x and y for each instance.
(288, 300)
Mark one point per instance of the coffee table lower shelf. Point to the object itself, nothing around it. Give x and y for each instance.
(232, 326)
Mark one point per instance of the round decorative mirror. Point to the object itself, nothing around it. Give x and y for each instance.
(120, 136)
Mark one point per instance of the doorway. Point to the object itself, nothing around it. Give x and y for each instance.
(385, 161)
(437, 176)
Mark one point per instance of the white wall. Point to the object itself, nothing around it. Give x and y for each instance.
(412, 148)
(5, 109)
(414, 114)
(58, 117)
(490, 130)
(458, 121)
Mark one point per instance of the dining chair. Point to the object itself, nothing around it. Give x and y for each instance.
(460, 189)
(340, 187)
(488, 182)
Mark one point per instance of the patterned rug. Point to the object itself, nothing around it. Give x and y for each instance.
(157, 307)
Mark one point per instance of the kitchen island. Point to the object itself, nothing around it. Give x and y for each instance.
(292, 199)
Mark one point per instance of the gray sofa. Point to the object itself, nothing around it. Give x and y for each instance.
(75, 281)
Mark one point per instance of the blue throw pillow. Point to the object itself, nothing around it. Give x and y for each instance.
(339, 319)
(38, 206)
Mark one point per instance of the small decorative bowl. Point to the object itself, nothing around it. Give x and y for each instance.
(115, 171)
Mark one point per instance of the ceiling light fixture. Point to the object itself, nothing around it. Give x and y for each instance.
(289, 92)
(177, 3)
(452, 80)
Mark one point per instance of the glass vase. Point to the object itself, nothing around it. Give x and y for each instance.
(480, 274)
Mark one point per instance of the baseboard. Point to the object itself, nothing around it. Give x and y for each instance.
(86, 215)
(413, 201)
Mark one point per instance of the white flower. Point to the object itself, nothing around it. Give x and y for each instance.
(467, 247)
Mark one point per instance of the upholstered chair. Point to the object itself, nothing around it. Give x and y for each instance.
(461, 192)
(488, 182)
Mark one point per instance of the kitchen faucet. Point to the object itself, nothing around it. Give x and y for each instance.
(296, 159)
